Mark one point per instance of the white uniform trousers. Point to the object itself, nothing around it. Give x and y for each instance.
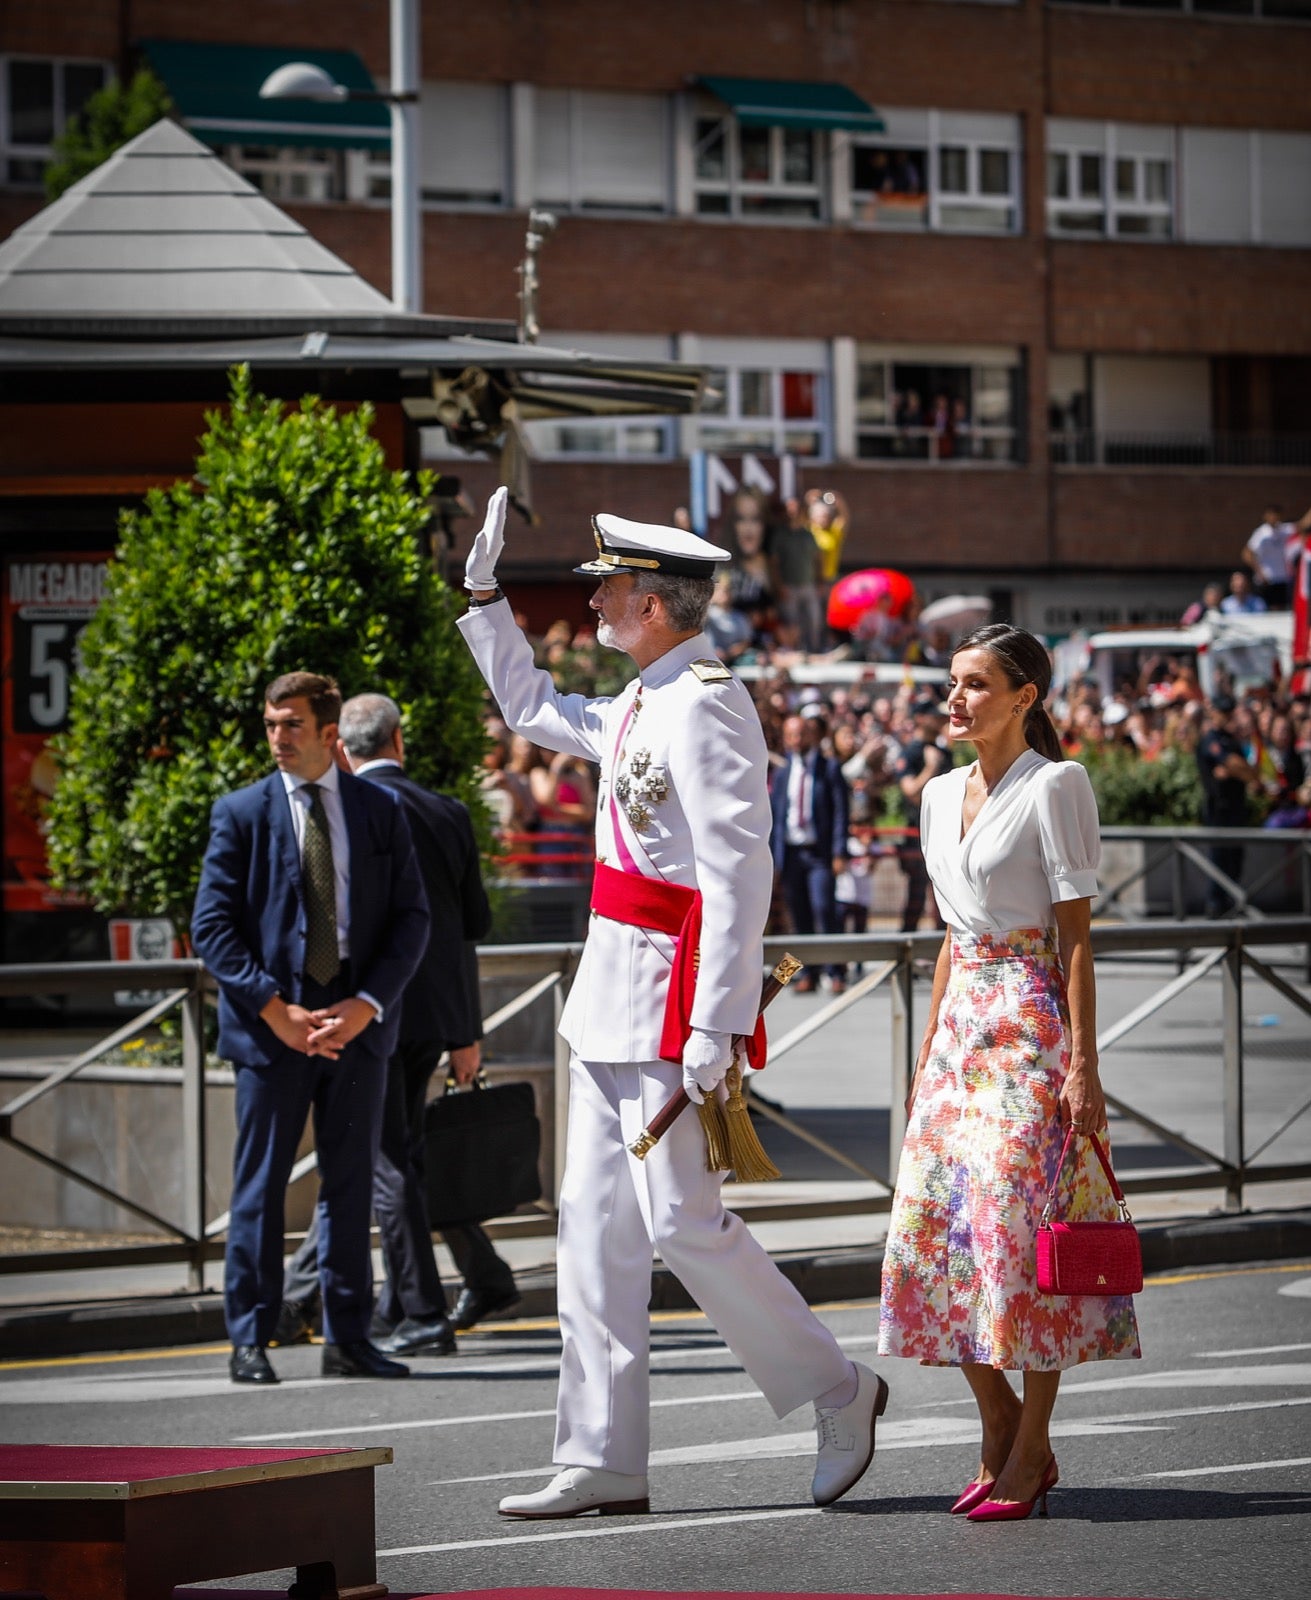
(615, 1213)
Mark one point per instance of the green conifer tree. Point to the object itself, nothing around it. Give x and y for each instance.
(111, 117)
(295, 547)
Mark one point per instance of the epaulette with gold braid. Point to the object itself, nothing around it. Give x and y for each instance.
(711, 671)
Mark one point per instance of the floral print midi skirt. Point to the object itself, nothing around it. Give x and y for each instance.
(983, 1140)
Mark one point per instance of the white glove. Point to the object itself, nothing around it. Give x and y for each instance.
(480, 568)
(706, 1060)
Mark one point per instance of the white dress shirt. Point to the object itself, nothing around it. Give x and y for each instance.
(330, 789)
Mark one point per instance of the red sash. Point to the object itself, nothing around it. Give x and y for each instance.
(642, 902)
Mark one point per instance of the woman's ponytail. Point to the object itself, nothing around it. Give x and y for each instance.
(1040, 731)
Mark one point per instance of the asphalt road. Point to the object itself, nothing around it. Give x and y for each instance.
(1186, 1476)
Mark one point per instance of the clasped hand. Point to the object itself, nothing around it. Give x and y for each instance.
(324, 1032)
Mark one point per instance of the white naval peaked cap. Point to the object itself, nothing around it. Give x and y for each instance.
(623, 546)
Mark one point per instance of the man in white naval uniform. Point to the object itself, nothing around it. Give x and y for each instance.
(682, 801)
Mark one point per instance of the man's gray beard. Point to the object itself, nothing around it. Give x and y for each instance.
(613, 638)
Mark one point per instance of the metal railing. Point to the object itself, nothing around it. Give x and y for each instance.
(546, 971)
(1079, 447)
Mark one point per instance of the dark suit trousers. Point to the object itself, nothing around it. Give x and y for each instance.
(413, 1286)
(809, 893)
(272, 1103)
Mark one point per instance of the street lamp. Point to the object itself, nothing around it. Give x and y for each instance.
(301, 80)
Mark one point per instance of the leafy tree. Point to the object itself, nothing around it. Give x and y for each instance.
(111, 117)
(297, 547)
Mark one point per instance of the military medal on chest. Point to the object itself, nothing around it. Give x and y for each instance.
(639, 786)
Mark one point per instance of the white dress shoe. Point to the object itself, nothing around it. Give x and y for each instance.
(846, 1438)
(578, 1489)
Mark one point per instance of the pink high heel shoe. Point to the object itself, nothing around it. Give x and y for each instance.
(1017, 1510)
(974, 1494)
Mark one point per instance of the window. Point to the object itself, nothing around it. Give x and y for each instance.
(769, 398)
(925, 403)
(605, 438)
(949, 171)
(1110, 178)
(741, 171)
(286, 174)
(37, 99)
(1245, 187)
(464, 154)
(595, 151)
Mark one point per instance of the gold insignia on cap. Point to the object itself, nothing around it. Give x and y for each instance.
(711, 671)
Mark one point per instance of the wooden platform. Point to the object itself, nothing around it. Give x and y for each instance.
(125, 1522)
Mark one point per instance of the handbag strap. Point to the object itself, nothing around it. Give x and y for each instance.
(1114, 1182)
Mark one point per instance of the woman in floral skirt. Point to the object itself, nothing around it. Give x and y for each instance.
(1008, 1062)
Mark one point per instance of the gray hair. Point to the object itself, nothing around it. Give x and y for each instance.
(686, 600)
(367, 724)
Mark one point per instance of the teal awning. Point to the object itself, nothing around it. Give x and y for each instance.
(785, 103)
(216, 90)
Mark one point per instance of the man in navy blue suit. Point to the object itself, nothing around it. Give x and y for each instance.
(312, 917)
(808, 799)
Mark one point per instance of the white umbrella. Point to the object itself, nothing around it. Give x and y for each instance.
(956, 612)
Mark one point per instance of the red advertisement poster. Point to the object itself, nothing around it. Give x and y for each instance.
(47, 601)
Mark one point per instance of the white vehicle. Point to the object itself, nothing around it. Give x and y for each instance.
(1250, 649)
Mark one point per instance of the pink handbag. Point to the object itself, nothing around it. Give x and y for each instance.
(1088, 1257)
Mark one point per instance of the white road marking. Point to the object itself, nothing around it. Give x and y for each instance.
(592, 1531)
(1238, 1466)
(1190, 1378)
(1256, 1350)
(1299, 1289)
(486, 1416)
(911, 1433)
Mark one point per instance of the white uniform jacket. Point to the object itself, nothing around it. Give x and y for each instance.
(688, 786)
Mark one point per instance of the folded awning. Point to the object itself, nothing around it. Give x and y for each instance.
(216, 90)
(787, 103)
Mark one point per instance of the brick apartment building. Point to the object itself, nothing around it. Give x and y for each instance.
(1079, 232)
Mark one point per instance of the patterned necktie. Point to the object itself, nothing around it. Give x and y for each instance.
(322, 962)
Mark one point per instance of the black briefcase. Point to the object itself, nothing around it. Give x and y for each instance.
(480, 1152)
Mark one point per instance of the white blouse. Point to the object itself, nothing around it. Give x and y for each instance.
(1034, 841)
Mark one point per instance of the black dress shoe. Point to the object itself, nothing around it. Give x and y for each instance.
(476, 1305)
(411, 1336)
(249, 1364)
(357, 1358)
(294, 1323)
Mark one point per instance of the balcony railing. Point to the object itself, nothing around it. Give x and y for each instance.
(1083, 448)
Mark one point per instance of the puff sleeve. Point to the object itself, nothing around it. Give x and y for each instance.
(1069, 832)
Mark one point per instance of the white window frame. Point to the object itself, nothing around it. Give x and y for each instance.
(935, 197)
(12, 150)
(577, 201)
(715, 430)
(623, 439)
(276, 171)
(1108, 204)
(738, 190)
(868, 353)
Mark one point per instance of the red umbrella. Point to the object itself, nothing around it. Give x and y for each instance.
(851, 597)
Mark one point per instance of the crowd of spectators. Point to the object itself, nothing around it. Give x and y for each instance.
(885, 739)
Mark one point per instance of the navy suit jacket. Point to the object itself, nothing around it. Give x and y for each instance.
(249, 922)
(829, 806)
(441, 1000)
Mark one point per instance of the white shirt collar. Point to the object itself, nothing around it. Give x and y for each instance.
(668, 666)
(328, 781)
(378, 761)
